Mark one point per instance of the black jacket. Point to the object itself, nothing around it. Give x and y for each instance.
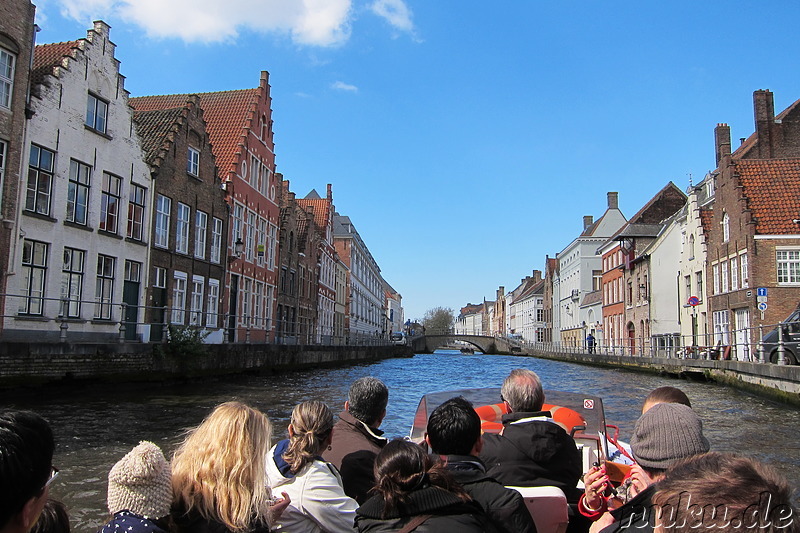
(449, 513)
(504, 507)
(636, 515)
(353, 450)
(193, 522)
(533, 453)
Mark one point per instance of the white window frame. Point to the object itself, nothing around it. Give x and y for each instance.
(80, 181)
(104, 286)
(715, 271)
(184, 215)
(160, 278)
(726, 227)
(178, 307)
(196, 312)
(745, 270)
(245, 317)
(193, 162)
(250, 236)
(787, 262)
(3, 157)
(273, 241)
(734, 273)
(216, 240)
(97, 113)
(163, 211)
(8, 62)
(212, 307)
(200, 233)
(724, 270)
(258, 300)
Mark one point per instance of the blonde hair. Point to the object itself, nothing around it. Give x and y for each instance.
(312, 423)
(220, 468)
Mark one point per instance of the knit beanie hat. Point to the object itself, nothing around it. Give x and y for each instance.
(141, 482)
(665, 433)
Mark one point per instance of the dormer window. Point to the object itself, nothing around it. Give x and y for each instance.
(97, 113)
(193, 162)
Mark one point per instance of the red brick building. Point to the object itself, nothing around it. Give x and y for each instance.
(754, 239)
(239, 125)
(16, 42)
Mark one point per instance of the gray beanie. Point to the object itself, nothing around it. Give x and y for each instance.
(665, 433)
(141, 482)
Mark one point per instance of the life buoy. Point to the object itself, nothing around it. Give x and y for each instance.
(491, 416)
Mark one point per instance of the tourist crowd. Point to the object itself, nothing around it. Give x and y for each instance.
(344, 476)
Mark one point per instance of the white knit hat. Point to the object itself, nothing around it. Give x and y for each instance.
(141, 482)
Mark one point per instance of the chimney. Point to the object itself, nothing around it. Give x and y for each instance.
(722, 141)
(537, 276)
(587, 221)
(764, 110)
(613, 200)
(330, 193)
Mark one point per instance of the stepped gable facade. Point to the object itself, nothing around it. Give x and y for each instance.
(188, 253)
(84, 213)
(16, 50)
(239, 126)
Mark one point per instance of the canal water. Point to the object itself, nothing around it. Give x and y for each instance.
(96, 425)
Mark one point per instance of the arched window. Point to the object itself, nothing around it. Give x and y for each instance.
(726, 227)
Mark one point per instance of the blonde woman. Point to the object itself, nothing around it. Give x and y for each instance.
(219, 480)
(318, 502)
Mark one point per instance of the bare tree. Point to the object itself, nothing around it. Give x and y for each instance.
(438, 320)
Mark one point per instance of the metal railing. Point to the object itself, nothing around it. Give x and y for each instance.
(65, 319)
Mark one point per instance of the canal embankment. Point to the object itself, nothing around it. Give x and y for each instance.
(778, 382)
(31, 363)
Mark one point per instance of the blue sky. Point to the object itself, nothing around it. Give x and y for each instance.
(467, 139)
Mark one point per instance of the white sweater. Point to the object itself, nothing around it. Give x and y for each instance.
(318, 504)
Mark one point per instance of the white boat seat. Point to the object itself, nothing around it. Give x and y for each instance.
(548, 507)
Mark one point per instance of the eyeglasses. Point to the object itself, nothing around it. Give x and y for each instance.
(53, 475)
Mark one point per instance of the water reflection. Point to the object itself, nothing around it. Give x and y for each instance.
(96, 426)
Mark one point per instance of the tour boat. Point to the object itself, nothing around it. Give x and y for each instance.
(581, 415)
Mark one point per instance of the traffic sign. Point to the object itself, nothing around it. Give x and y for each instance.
(694, 300)
(760, 299)
(762, 306)
(761, 291)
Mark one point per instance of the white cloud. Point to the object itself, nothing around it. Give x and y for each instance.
(342, 86)
(309, 22)
(396, 13)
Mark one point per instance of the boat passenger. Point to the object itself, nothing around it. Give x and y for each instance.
(318, 502)
(54, 518)
(596, 482)
(531, 449)
(140, 491)
(26, 469)
(219, 479)
(729, 490)
(454, 433)
(356, 438)
(662, 436)
(415, 493)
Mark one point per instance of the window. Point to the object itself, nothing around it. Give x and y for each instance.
(726, 228)
(3, 148)
(200, 226)
(40, 180)
(6, 78)
(178, 298)
(688, 282)
(212, 308)
(734, 274)
(258, 312)
(250, 236)
(104, 289)
(699, 278)
(273, 240)
(160, 278)
(96, 113)
(72, 282)
(216, 239)
(163, 208)
(133, 271)
(255, 173)
(715, 269)
(261, 242)
(724, 267)
(238, 222)
(182, 229)
(78, 192)
(109, 204)
(136, 204)
(691, 246)
(196, 315)
(745, 273)
(721, 327)
(193, 162)
(788, 266)
(34, 272)
(245, 318)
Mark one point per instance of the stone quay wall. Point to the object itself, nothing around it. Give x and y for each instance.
(31, 364)
(779, 382)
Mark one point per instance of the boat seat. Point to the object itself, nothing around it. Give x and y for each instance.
(548, 507)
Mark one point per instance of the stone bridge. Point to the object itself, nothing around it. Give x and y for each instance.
(483, 343)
